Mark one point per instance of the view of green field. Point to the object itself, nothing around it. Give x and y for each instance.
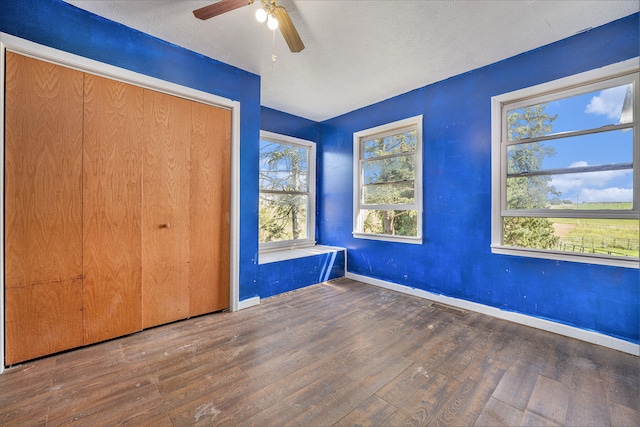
(601, 236)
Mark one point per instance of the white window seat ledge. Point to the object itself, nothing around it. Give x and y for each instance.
(288, 254)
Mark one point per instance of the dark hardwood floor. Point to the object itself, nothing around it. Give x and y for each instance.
(341, 353)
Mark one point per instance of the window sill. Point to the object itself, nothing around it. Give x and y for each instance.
(388, 238)
(288, 254)
(565, 256)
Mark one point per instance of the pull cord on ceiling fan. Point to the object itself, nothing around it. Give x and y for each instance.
(275, 16)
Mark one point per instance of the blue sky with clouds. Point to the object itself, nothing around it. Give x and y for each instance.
(592, 110)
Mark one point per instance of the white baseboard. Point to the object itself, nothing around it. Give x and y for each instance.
(523, 319)
(249, 302)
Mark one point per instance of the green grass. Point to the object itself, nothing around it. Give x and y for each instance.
(619, 236)
(596, 206)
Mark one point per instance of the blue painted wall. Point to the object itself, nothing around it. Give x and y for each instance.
(62, 26)
(287, 124)
(288, 275)
(455, 258)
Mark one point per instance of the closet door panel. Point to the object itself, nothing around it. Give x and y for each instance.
(42, 319)
(43, 207)
(113, 137)
(209, 209)
(165, 283)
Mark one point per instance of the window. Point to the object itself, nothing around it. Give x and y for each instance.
(287, 192)
(566, 169)
(388, 182)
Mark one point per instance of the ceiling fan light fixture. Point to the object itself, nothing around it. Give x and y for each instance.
(272, 22)
(275, 16)
(261, 15)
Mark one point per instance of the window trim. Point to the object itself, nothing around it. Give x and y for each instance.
(570, 85)
(388, 129)
(265, 247)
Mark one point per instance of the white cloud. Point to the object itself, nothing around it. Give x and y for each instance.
(566, 183)
(591, 187)
(577, 181)
(608, 103)
(614, 194)
(578, 164)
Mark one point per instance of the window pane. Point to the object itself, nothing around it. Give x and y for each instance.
(395, 223)
(532, 192)
(394, 193)
(283, 167)
(282, 217)
(618, 237)
(395, 144)
(391, 169)
(586, 191)
(579, 151)
(582, 187)
(587, 111)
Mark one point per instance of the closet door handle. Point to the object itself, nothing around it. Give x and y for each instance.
(167, 225)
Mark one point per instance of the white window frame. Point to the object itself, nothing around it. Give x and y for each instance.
(559, 89)
(358, 205)
(311, 193)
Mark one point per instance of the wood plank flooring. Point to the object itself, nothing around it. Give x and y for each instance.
(341, 353)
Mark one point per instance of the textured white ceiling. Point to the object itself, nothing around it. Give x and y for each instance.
(361, 52)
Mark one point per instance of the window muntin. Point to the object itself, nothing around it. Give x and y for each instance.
(388, 182)
(287, 192)
(567, 170)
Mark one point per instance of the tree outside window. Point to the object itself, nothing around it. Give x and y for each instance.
(388, 186)
(287, 191)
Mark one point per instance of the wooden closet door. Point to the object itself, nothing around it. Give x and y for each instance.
(165, 219)
(43, 208)
(209, 210)
(113, 138)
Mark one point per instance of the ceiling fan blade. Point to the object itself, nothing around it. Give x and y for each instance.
(219, 8)
(287, 29)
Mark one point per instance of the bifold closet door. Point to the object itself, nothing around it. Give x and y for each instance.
(117, 204)
(112, 213)
(165, 219)
(43, 208)
(209, 209)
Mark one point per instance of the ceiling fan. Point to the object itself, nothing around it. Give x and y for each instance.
(276, 17)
